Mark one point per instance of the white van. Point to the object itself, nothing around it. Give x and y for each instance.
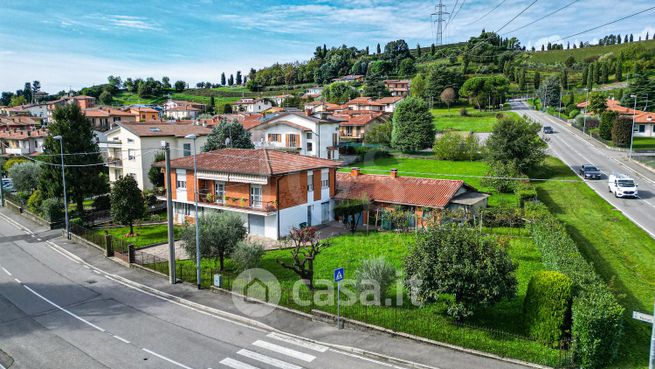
(622, 186)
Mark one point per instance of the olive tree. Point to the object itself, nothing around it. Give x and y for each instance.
(25, 176)
(219, 235)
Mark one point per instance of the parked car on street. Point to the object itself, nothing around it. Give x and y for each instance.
(622, 186)
(8, 185)
(548, 130)
(588, 171)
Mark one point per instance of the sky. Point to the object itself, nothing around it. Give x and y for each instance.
(77, 43)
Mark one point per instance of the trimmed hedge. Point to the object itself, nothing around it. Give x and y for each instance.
(547, 306)
(525, 193)
(596, 315)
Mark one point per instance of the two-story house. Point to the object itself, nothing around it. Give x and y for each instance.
(398, 87)
(272, 191)
(131, 147)
(300, 133)
(144, 113)
(250, 105)
(179, 110)
(102, 118)
(354, 126)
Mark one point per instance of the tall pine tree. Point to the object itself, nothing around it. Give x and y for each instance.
(223, 79)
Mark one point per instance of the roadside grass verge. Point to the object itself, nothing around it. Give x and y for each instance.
(146, 235)
(497, 329)
(468, 171)
(621, 252)
(643, 143)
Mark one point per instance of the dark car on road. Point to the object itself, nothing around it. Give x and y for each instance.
(548, 130)
(588, 171)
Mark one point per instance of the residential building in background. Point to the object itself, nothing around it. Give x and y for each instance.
(272, 191)
(250, 105)
(180, 110)
(296, 132)
(398, 87)
(103, 118)
(354, 126)
(131, 147)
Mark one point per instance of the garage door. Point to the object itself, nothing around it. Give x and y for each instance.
(256, 224)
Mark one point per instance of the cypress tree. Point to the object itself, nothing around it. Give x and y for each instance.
(433, 49)
(590, 77)
(619, 68)
(585, 73)
(537, 80)
(223, 79)
(379, 50)
(418, 50)
(564, 79)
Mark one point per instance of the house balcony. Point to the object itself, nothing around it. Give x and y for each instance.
(114, 162)
(242, 204)
(16, 151)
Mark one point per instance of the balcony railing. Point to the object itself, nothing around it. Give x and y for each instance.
(114, 162)
(208, 197)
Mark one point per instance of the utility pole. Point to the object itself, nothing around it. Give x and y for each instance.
(2, 189)
(439, 13)
(169, 213)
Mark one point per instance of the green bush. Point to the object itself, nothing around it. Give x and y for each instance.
(574, 113)
(622, 131)
(52, 210)
(35, 201)
(501, 176)
(547, 306)
(453, 146)
(606, 123)
(502, 217)
(375, 271)
(463, 112)
(102, 203)
(525, 192)
(247, 255)
(597, 325)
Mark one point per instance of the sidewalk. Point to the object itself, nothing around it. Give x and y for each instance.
(371, 341)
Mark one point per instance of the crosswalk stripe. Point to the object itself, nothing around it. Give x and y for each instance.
(298, 342)
(285, 351)
(267, 360)
(236, 364)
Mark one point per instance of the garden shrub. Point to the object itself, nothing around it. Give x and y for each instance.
(621, 131)
(606, 123)
(247, 255)
(525, 192)
(502, 217)
(453, 146)
(597, 325)
(34, 202)
(547, 306)
(375, 271)
(463, 112)
(501, 177)
(52, 210)
(574, 113)
(102, 202)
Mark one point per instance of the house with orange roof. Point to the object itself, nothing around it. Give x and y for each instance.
(353, 127)
(252, 105)
(102, 118)
(644, 121)
(22, 142)
(425, 198)
(83, 101)
(272, 191)
(145, 114)
(398, 87)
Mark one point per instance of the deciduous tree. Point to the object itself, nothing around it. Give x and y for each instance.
(412, 126)
(515, 140)
(127, 205)
(305, 246)
(219, 235)
(227, 134)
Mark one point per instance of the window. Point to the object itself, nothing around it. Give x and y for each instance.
(117, 119)
(334, 140)
(349, 131)
(219, 191)
(310, 182)
(129, 140)
(310, 146)
(325, 212)
(325, 180)
(130, 154)
(642, 128)
(187, 149)
(274, 137)
(180, 181)
(308, 135)
(292, 140)
(256, 196)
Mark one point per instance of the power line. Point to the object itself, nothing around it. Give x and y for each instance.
(456, 13)
(516, 16)
(487, 13)
(439, 12)
(542, 18)
(606, 24)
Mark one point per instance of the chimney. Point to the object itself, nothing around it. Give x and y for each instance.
(394, 173)
(354, 171)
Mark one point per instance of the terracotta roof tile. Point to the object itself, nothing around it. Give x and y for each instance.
(428, 192)
(164, 129)
(262, 162)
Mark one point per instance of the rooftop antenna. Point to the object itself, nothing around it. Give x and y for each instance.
(439, 13)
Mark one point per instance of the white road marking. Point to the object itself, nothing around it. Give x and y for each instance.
(267, 360)
(39, 239)
(375, 361)
(298, 342)
(64, 310)
(18, 281)
(285, 351)
(167, 359)
(236, 364)
(96, 272)
(6, 271)
(121, 339)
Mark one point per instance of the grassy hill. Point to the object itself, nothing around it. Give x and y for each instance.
(587, 53)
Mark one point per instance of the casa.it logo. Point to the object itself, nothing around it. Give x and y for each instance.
(256, 284)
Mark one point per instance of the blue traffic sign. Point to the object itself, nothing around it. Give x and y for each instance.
(338, 274)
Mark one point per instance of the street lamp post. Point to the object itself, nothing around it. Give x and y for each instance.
(63, 180)
(195, 199)
(632, 129)
(584, 116)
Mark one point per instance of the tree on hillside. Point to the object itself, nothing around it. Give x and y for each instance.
(642, 87)
(458, 260)
(180, 86)
(522, 80)
(227, 134)
(439, 78)
(127, 204)
(618, 73)
(375, 88)
(27, 92)
(515, 140)
(598, 103)
(482, 91)
(223, 81)
(412, 126)
(211, 108)
(537, 80)
(84, 173)
(585, 74)
(550, 91)
(105, 98)
(220, 233)
(418, 50)
(379, 134)
(564, 79)
(338, 92)
(418, 86)
(379, 50)
(239, 79)
(114, 81)
(166, 83)
(230, 80)
(407, 68)
(590, 77)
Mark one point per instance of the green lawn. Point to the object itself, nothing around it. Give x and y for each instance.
(497, 329)
(622, 253)
(129, 98)
(644, 143)
(559, 56)
(468, 171)
(451, 120)
(146, 235)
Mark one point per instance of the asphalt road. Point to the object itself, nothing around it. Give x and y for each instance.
(572, 147)
(58, 314)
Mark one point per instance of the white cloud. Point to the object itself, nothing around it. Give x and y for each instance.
(128, 21)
